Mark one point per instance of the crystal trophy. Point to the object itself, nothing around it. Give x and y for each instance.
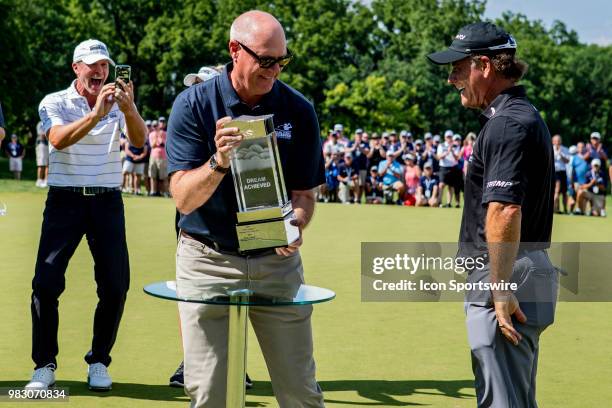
(264, 211)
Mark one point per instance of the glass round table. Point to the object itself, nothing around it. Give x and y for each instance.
(238, 295)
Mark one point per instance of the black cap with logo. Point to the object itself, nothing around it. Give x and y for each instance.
(480, 38)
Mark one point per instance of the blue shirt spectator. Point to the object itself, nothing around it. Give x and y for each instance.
(579, 169)
(392, 173)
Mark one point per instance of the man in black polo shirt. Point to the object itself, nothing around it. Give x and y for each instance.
(198, 148)
(507, 217)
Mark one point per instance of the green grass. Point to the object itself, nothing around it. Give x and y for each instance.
(368, 354)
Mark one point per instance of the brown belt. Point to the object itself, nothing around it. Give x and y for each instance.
(226, 250)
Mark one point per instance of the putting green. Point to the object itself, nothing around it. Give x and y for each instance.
(368, 354)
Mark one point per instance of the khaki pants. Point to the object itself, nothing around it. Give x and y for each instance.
(284, 333)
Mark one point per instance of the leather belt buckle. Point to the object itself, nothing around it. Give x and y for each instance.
(85, 193)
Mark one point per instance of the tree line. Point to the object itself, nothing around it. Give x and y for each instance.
(362, 64)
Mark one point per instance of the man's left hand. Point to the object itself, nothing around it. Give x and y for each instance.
(125, 97)
(507, 305)
(294, 246)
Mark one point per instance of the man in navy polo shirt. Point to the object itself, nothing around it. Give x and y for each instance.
(198, 148)
(507, 216)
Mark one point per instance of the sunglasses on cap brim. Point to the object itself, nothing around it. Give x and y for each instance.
(510, 44)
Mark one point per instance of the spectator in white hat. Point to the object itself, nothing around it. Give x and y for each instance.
(204, 74)
(359, 149)
(448, 157)
(348, 178)
(595, 149)
(593, 192)
(331, 145)
(339, 129)
(562, 157)
(429, 152)
(42, 156)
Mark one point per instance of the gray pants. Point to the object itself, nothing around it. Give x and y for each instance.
(506, 374)
(284, 333)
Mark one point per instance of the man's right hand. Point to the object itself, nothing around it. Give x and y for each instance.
(507, 305)
(225, 140)
(105, 101)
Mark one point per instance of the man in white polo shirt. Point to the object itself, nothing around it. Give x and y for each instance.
(83, 124)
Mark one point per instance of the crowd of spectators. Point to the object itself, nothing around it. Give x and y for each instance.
(146, 165)
(386, 168)
(394, 168)
(581, 180)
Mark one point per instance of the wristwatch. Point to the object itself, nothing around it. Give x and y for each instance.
(212, 163)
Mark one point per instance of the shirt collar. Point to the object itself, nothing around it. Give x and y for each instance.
(500, 100)
(72, 91)
(231, 98)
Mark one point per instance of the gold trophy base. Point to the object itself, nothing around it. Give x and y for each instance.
(257, 230)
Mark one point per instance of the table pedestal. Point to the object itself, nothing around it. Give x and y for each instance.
(237, 348)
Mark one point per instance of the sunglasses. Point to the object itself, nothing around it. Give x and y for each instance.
(268, 62)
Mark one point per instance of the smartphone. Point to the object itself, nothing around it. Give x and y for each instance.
(124, 72)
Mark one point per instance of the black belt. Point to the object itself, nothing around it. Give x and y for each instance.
(225, 249)
(86, 191)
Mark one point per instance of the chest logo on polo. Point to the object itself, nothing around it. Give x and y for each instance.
(110, 116)
(284, 131)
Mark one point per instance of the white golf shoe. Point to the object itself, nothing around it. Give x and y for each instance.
(98, 378)
(43, 378)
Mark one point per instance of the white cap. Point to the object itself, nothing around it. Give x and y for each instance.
(596, 162)
(205, 73)
(573, 150)
(457, 136)
(338, 127)
(91, 51)
(448, 133)
(436, 138)
(596, 135)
